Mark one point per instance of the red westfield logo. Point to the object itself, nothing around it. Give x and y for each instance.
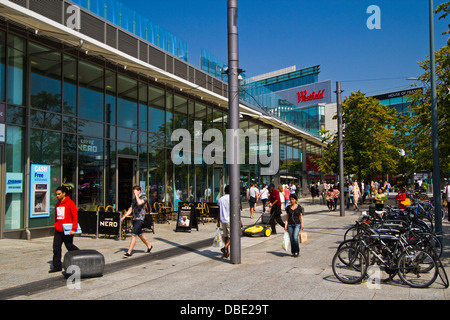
(304, 97)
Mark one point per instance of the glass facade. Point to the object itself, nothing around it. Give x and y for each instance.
(102, 129)
(265, 94)
(122, 16)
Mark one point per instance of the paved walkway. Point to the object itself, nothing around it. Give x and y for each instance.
(185, 266)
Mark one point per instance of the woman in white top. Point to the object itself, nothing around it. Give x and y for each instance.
(280, 189)
(264, 196)
(356, 195)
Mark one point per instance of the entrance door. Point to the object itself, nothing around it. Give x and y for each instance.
(127, 180)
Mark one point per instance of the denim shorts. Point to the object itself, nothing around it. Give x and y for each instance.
(137, 228)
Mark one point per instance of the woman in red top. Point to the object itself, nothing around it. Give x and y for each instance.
(401, 196)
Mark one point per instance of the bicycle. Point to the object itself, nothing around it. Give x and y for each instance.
(415, 266)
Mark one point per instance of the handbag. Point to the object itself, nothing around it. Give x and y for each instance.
(303, 237)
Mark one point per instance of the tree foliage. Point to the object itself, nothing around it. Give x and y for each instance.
(371, 143)
(379, 140)
(420, 123)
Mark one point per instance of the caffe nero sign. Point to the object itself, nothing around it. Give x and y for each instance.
(308, 95)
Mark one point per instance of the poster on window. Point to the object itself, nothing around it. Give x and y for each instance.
(39, 191)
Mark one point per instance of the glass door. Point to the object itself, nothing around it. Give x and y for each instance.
(127, 180)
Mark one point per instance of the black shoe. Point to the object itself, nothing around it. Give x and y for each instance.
(55, 270)
(127, 254)
(148, 250)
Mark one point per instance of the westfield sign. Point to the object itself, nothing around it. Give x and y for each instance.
(303, 96)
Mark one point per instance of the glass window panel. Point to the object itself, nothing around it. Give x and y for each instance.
(14, 164)
(70, 85)
(45, 120)
(156, 114)
(16, 63)
(90, 128)
(69, 124)
(143, 92)
(90, 173)
(90, 95)
(45, 148)
(15, 115)
(127, 135)
(156, 172)
(127, 102)
(110, 132)
(143, 167)
(70, 164)
(2, 65)
(143, 137)
(110, 178)
(111, 92)
(169, 114)
(45, 78)
(127, 148)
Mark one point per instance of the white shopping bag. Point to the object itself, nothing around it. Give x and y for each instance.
(218, 239)
(286, 241)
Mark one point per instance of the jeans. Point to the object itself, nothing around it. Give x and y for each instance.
(294, 230)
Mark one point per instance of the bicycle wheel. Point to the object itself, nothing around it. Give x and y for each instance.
(349, 265)
(436, 244)
(417, 268)
(351, 233)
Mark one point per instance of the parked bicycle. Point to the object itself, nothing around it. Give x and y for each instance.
(395, 244)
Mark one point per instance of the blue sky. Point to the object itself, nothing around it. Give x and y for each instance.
(275, 34)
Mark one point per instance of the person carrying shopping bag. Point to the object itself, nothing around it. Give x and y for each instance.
(294, 223)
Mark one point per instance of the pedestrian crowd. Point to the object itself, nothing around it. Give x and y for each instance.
(355, 193)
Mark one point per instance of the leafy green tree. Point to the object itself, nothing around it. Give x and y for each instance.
(420, 123)
(371, 144)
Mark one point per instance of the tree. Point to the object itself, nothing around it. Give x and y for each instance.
(421, 108)
(371, 144)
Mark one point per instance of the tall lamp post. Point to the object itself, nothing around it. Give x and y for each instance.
(233, 125)
(340, 148)
(434, 127)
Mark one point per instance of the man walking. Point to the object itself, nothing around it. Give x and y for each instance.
(224, 218)
(275, 208)
(65, 213)
(138, 210)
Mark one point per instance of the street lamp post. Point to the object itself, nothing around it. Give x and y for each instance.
(341, 148)
(233, 124)
(434, 127)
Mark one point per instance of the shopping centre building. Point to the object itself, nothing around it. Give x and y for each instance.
(89, 98)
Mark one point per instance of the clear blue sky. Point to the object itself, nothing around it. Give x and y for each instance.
(275, 34)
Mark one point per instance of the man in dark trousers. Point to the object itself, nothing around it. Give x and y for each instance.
(65, 213)
(275, 208)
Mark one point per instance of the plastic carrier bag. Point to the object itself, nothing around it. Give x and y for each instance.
(218, 239)
(286, 241)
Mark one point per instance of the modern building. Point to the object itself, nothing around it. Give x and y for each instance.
(398, 99)
(90, 103)
(297, 97)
